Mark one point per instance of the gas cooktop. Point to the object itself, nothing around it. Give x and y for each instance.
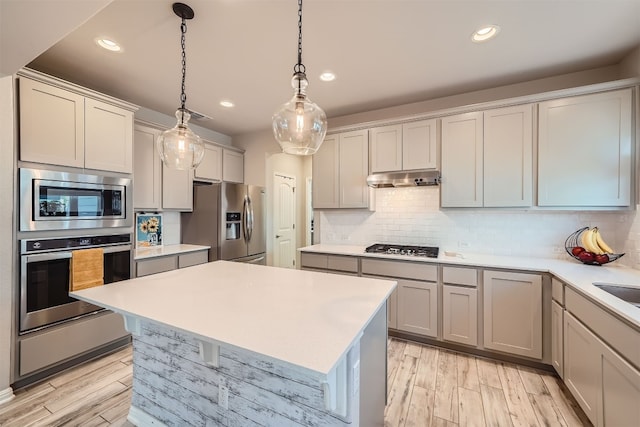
(422, 251)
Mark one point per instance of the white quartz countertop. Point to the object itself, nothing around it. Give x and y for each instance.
(575, 274)
(166, 250)
(307, 319)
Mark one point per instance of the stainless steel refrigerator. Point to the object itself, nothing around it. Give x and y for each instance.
(231, 219)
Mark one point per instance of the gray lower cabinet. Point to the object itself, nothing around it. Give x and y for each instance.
(581, 365)
(460, 305)
(602, 376)
(557, 338)
(513, 313)
(413, 307)
(460, 314)
(418, 307)
(336, 264)
(160, 264)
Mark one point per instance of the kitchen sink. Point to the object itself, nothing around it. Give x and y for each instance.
(626, 293)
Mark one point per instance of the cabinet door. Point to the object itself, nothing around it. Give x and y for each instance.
(584, 150)
(353, 169)
(620, 402)
(147, 169)
(508, 134)
(108, 142)
(557, 338)
(211, 167)
(418, 307)
(51, 125)
(419, 145)
(177, 189)
(581, 365)
(392, 310)
(325, 173)
(386, 148)
(462, 160)
(460, 314)
(232, 166)
(513, 313)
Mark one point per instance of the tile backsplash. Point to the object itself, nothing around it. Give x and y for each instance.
(412, 216)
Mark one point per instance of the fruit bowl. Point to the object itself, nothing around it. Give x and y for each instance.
(574, 245)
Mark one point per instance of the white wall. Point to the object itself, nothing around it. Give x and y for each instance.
(412, 215)
(563, 81)
(630, 65)
(7, 248)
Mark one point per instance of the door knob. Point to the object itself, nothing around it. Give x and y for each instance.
(278, 236)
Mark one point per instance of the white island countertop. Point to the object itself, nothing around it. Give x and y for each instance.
(303, 318)
(575, 274)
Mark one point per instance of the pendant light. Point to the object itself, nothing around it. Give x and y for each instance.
(300, 125)
(179, 147)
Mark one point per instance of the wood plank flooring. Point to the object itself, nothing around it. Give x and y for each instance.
(428, 386)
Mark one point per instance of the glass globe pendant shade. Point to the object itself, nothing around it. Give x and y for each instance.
(300, 125)
(179, 147)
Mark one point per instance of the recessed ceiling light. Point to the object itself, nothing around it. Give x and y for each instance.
(108, 44)
(227, 104)
(327, 76)
(485, 33)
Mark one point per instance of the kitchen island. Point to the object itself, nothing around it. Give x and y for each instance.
(228, 343)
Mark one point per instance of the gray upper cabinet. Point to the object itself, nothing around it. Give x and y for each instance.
(210, 169)
(404, 147)
(340, 169)
(462, 166)
(487, 158)
(232, 166)
(147, 169)
(584, 150)
(508, 157)
(64, 127)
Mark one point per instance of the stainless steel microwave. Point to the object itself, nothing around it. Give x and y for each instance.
(52, 200)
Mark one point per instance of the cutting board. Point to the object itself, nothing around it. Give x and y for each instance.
(87, 269)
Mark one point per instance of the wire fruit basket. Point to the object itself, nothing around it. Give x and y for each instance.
(573, 246)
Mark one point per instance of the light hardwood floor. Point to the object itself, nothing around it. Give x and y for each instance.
(428, 386)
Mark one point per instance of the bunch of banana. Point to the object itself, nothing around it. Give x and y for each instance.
(592, 241)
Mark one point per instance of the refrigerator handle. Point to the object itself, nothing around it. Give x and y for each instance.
(245, 219)
(249, 218)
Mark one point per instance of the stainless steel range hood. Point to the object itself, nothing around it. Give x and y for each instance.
(404, 179)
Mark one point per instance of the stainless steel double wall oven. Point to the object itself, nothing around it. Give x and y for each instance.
(61, 212)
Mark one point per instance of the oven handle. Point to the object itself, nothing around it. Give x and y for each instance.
(65, 255)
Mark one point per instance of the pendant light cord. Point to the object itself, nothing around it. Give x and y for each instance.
(299, 67)
(183, 95)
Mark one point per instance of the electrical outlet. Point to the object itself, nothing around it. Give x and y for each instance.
(223, 396)
(463, 244)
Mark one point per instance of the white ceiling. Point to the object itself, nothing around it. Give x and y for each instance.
(384, 52)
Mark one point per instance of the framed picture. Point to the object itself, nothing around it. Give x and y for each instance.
(148, 230)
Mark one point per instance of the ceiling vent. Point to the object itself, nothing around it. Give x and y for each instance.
(199, 116)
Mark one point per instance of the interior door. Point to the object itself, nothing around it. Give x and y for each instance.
(284, 244)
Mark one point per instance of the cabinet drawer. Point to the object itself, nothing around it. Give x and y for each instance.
(156, 265)
(399, 269)
(313, 260)
(342, 263)
(557, 291)
(622, 337)
(58, 344)
(193, 258)
(460, 276)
